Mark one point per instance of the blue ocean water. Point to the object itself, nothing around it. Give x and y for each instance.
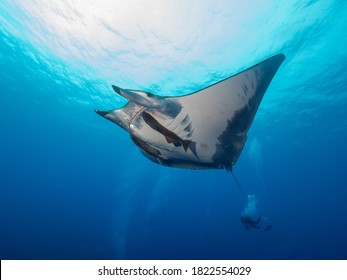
(74, 186)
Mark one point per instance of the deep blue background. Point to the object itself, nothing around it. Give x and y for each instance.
(73, 186)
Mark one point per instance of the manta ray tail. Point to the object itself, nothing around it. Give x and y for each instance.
(237, 182)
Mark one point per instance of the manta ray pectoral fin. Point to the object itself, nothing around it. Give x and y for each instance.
(212, 122)
(139, 97)
(222, 113)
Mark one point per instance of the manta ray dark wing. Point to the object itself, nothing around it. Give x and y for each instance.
(223, 112)
(203, 130)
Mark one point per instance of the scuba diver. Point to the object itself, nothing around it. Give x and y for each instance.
(248, 222)
(250, 217)
(257, 224)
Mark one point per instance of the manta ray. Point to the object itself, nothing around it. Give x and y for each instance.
(206, 129)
